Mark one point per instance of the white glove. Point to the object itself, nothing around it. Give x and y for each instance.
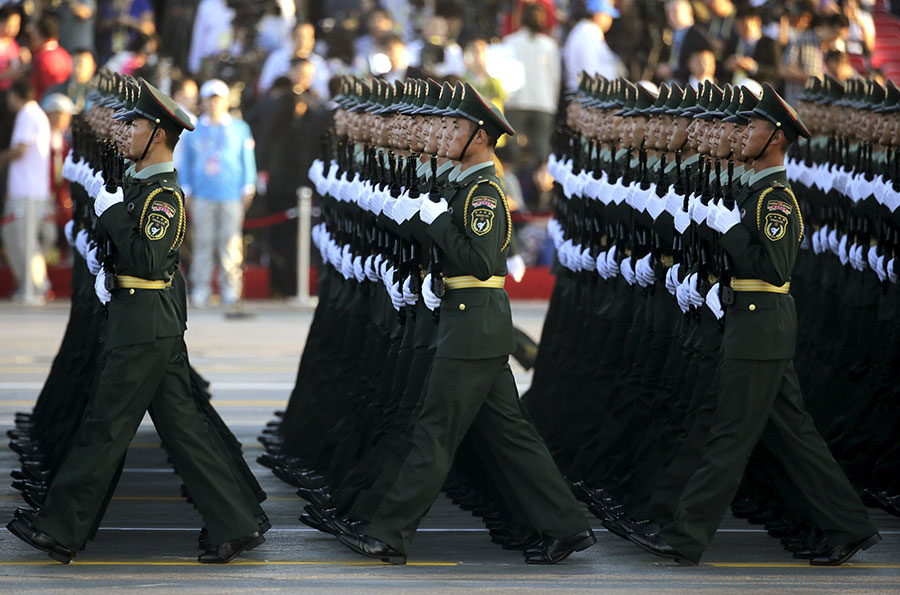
(587, 261)
(681, 297)
(69, 228)
(346, 262)
(672, 278)
(409, 297)
(674, 202)
(515, 266)
(105, 199)
(873, 258)
(693, 294)
(699, 211)
(103, 294)
(382, 267)
(891, 271)
(842, 250)
(68, 167)
(575, 257)
(432, 210)
(81, 242)
(565, 253)
(97, 183)
(713, 302)
(612, 267)
(714, 208)
(395, 293)
(601, 265)
(358, 271)
(879, 268)
(816, 241)
(644, 272)
(407, 207)
(92, 262)
(833, 242)
(369, 268)
(628, 271)
(726, 219)
(655, 205)
(682, 220)
(432, 301)
(857, 258)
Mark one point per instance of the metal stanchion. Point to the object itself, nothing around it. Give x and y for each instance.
(30, 225)
(304, 243)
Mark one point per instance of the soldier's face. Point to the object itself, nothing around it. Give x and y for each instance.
(638, 131)
(446, 131)
(432, 132)
(678, 133)
(703, 130)
(723, 144)
(736, 138)
(756, 136)
(459, 131)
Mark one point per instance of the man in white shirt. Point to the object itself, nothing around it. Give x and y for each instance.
(278, 63)
(27, 191)
(212, 32)
(586, 49)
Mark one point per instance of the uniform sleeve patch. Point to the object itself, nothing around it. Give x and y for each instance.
(484, 201)
(779, 206)
(156, 227)
(482, 220)
(776, 226)
(166, 209)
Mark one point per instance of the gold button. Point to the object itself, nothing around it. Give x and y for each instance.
(462, 306)
(752, 307)
(131, 291)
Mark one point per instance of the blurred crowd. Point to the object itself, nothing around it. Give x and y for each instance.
(278, 63)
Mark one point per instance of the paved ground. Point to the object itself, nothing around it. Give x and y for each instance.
(148, 538)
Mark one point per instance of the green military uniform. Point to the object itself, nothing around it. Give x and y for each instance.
(760, 396)
(145, 367)
(470, 380)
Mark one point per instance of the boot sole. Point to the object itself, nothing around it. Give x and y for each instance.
(872, 540)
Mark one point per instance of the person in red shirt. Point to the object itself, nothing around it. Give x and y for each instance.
(50, 63)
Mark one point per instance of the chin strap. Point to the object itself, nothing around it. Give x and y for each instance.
(149, 140)
(766, 146)
(469, 142)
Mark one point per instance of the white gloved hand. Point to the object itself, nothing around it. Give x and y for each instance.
(842, 250)
(346, 262)
(432, 301)
(672, 278)
(891, 271)
(879, 269)
(68, 168)
(105, 199)
(369, 268)
(432, 210)
(601, 265)
(69, 228)
(833, 242)
(81, 242)
(872, 256)
(103, 294)
(565, 253)
(92, 262)
(714, 209)
(693, 294)
(515, 266)
(358, 271)
(857, 257)
(628, 271)
(612, 267)
(817, 241)
(726, 219)
(97, 183)
(409, 297)
(382, 268)
(396, 295)
(644, 272)
(713, 302)
(575, 257)
(655, 205)
(674, 202)
(587, 261)
(681, 297)
(699, 211)
(682, 221)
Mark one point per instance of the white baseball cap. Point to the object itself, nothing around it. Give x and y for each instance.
(213, 87)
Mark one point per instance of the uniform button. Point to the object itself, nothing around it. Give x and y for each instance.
(131, 291)
(752, 307)
(462, 306)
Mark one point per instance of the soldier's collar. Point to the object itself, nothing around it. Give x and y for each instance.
(471, 170)
(442, 168)
(757, 176)
(691, 160)
(163, 167)
(454, 173)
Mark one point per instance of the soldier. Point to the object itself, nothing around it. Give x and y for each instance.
(470, 380)
(145, 366)
(758, 383)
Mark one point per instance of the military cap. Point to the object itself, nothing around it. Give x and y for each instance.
(831, 91)
(659, 106)
(777, 111)
(580, 89)
(629, 97)
(154, 105)
(646, 97)
(891, 102)
(704, 96)
(718, 103)
(674, 100)
(431, 92)
(811, 90)
(688, 101)
(473, 106)
(453, 103)
(874, 96)
(748, 99)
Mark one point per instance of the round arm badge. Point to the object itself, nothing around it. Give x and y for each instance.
(776, 223)
(483, 214)
(158, 220)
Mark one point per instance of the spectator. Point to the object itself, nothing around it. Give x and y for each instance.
(515, 19)
(687, 38)
(120, 21)
(837, 64)
(212, 32)
(13, 60)
(477, 73)
(750, 53)
(59, 109)
(532, 108)
(702, 67)
(186, 94)
(378, 27)
(27, 185)
(392, 61)
(303, 42)
(76, 24)
(217, 171)
(50, 64)
(803, 55)
(140, 54)
(435, 53)
(861, 39)
(586, 49)
(720, 27)
(76, 87)
(276, 26)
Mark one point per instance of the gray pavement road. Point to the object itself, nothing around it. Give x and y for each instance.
(148, 538)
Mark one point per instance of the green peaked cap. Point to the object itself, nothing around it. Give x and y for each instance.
(473, 106)
(777, 111)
